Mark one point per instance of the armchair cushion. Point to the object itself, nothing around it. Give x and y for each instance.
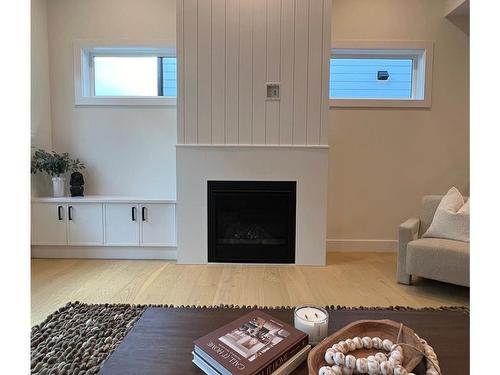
(439, 259)
(451, 219)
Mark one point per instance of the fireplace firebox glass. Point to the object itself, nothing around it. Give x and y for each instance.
(251, 221)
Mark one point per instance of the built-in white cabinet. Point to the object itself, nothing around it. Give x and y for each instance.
(103, 221)
(48, 224)
(85, 224)
(158, 224)
(122, 224)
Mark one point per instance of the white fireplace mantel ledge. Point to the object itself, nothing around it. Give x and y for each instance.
(240, 145)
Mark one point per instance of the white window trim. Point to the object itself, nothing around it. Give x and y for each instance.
(84, 50)
(420, 51)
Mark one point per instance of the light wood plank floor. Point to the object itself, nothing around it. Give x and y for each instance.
(350, 279)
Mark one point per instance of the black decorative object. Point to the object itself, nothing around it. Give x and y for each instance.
(76, 184)
(382, 75)
(251, 221)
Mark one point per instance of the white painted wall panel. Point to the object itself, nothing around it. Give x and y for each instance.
(218, 70)
(314, 76)
(190, 71)
(300, 88)
(273, 62)
(204, 71)
(232, 70)
(229, 49)
(245, 96)
(287, 70)
(325, 72)
(259, 32)
(180, 70)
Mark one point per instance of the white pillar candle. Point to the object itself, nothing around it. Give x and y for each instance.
(312, 320)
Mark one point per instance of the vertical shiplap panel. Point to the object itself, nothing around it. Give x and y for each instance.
(232, 70)
(218, 69)
(287, 69)
(273, 57)
(259, 71)
(191, 71)
(325, 72)
(245, 105)
(204, 71)
(314, 72)
(300, 71)
(180, 71)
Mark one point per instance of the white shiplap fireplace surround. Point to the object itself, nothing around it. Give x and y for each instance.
(227, 51)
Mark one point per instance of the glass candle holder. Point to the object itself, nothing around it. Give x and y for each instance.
(312, 320)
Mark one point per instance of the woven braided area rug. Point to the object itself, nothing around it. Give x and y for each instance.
(79, 337)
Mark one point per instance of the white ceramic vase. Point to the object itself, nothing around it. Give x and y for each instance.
(58, 186)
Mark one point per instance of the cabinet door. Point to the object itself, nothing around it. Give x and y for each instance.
(158, 224)
(85, 224)
(122, 224)
(48, 224)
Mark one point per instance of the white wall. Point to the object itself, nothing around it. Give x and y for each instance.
(382, 161)
(227, 51)
(128, 150)
(40, 89)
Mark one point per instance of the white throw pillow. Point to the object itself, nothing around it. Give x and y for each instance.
(451, 219)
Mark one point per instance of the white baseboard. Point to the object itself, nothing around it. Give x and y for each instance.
(104, 252)
(353, 245)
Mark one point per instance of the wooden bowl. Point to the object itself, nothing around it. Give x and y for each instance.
(385, 329)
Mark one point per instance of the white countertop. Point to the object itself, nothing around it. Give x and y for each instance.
(101, 199)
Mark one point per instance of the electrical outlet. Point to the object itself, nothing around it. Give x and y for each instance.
(272, 90)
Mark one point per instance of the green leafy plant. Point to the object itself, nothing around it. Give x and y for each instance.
(54, 164)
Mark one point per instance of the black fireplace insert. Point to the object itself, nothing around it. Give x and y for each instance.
(251, 221)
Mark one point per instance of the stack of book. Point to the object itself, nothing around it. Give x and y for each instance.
(255, 344)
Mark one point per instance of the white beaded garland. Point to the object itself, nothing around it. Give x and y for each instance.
(358, 342)
(386, 368)
(400, 370)
(337, 348)
(387, 344)
(350, 361)
(339, 358)
(396, 348)
(394, 362)
(351, 344)
(377, 342)
(325, 370)
(373, 366)
(371, 358)
(396, 358)
(362, 365)
(329, 354)
(367, 342)
(344, 346)
(381, 357)
(378, 364)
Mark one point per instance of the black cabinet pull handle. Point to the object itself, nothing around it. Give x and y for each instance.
(70, 209)
(133, 213)
(59, 212)
(143, 213)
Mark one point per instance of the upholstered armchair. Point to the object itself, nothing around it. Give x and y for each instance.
(433, 258)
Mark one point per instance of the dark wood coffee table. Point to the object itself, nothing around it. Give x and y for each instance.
(162, 339)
